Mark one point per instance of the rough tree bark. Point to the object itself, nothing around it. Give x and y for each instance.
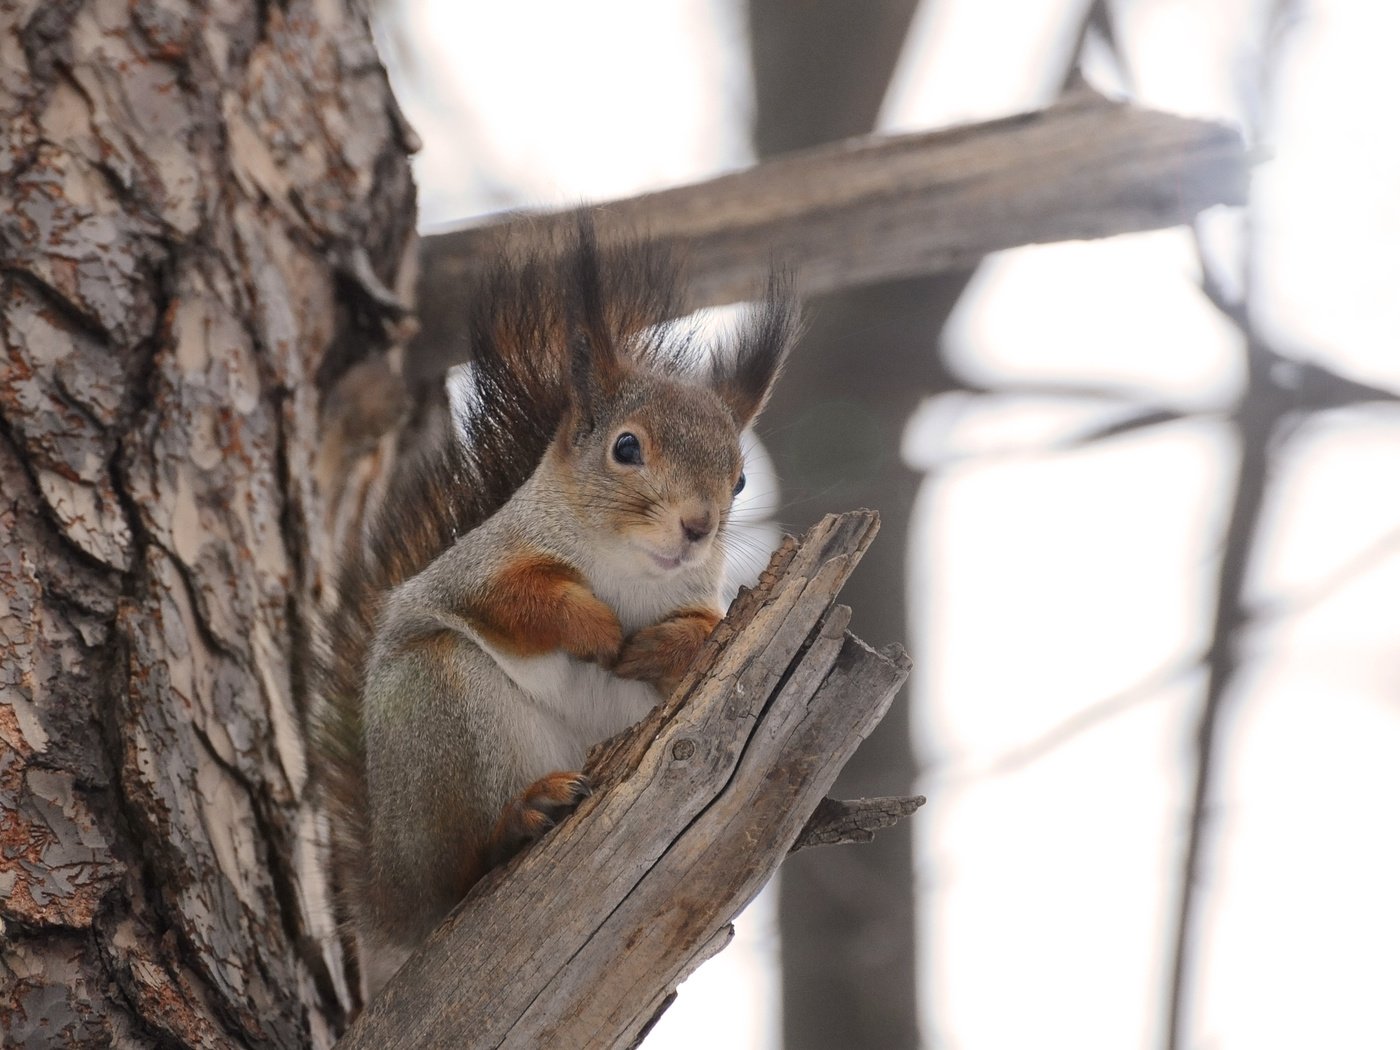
(201, 202)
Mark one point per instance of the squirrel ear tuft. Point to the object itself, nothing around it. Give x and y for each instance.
(744, 380)
(581, 395)
(595, 365)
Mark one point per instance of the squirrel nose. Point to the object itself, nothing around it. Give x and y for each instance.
(697, 526)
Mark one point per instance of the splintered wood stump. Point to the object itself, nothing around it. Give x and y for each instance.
(582, 941)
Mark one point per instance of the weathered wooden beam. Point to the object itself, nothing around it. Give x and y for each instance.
(871, 209)
(582, 941)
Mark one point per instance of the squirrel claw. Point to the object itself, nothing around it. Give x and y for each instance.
(533, 812)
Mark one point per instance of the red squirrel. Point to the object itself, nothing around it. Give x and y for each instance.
(537, 583)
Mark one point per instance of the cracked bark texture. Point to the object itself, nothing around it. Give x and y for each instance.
(201, 208)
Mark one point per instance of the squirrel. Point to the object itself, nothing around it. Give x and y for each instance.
(534, 584)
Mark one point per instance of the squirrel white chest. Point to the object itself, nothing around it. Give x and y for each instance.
(578, 703)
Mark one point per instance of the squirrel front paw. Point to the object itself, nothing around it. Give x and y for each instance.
(662, 653)
(591, 630)
(533, 812)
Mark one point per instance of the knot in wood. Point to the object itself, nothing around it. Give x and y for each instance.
(682, 749)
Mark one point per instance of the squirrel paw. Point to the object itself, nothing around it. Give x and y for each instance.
(534, 811)
(662, 653)
(592, 631)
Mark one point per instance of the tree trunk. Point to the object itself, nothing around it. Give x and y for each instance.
(847, 918)
(202, 206)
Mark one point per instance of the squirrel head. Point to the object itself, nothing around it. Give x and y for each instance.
(649, 454)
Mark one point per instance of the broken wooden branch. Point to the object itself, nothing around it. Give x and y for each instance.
(868, 210)
(582, 941)
(837, 822)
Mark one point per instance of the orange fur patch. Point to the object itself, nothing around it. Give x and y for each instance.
(537, 604)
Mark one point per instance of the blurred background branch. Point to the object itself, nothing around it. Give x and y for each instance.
(868, 210)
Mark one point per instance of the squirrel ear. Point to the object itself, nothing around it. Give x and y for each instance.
(743, 380)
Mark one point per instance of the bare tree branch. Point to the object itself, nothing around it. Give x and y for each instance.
(1279, 390)
(855, 820)
(1260, 425)
(582, 941)
(870, 209)
(1257, 426)
(1087, 718)
(1358, 565)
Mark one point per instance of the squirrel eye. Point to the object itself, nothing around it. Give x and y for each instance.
(739, 485)
(627, 449)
